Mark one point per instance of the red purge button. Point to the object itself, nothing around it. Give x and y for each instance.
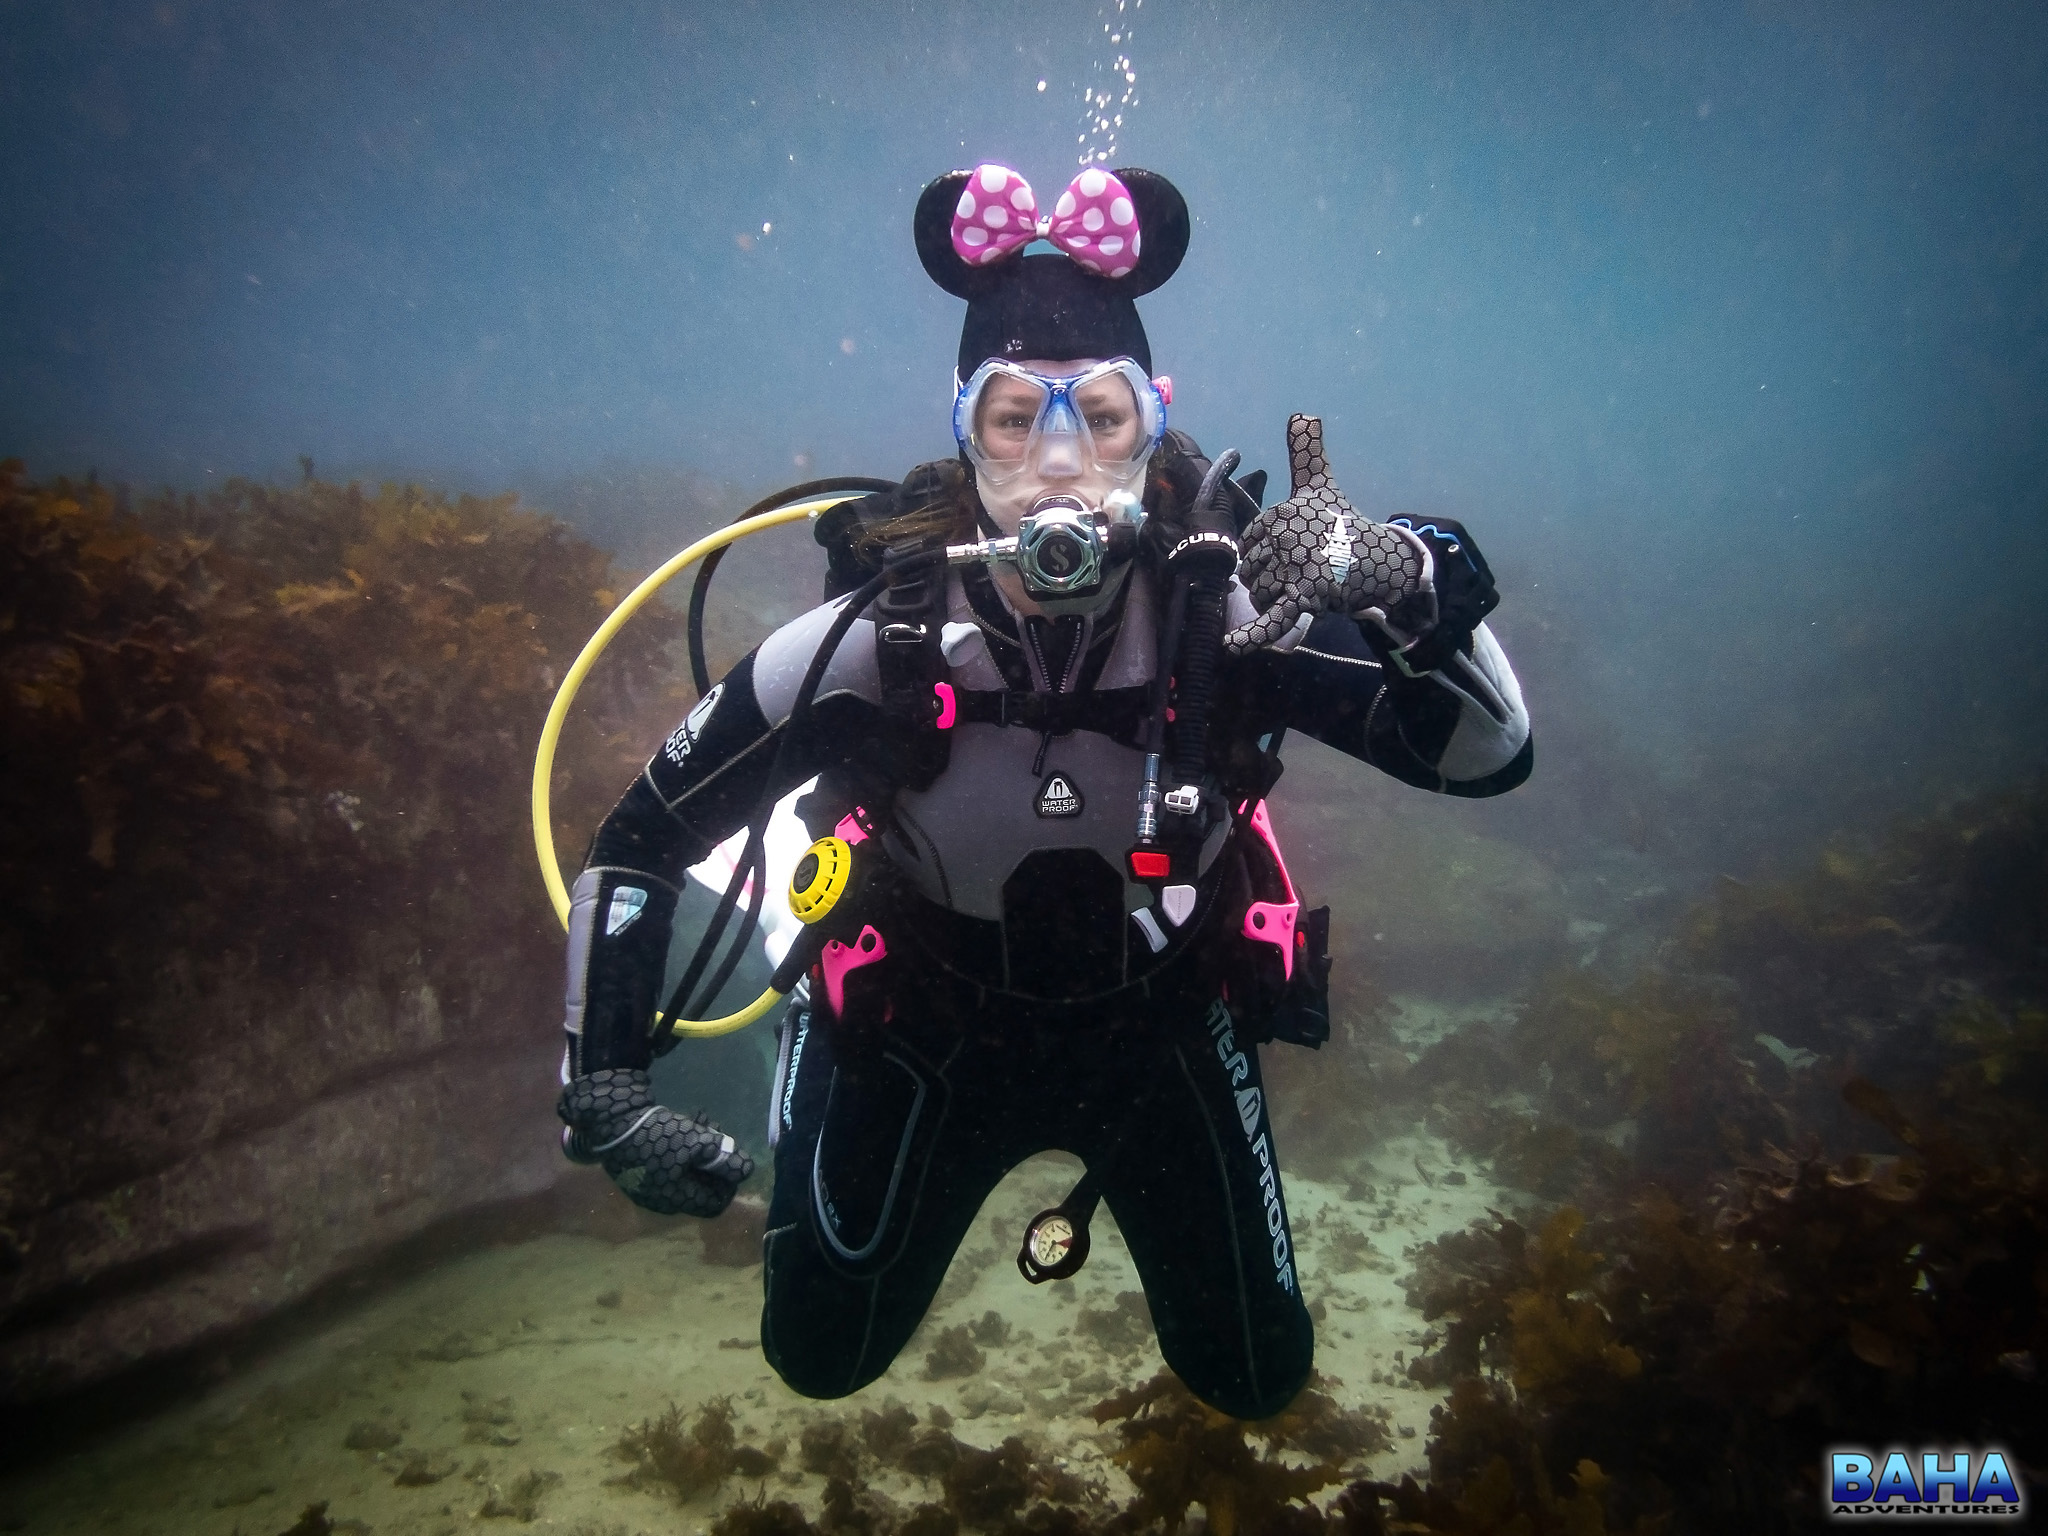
(1147, 865)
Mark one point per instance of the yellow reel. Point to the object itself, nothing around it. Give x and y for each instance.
(820, 879)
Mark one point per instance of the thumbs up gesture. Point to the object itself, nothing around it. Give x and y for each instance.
(1313, 553)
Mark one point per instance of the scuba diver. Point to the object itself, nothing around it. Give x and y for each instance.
(1044, 701)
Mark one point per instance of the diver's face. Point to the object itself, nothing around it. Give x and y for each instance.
(1010, 406)
(1085, 450)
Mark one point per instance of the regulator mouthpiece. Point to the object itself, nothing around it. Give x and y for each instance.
(1068, 555)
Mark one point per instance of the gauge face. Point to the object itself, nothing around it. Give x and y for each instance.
(1051, 1239)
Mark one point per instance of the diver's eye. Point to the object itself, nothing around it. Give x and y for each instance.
(1105, 421)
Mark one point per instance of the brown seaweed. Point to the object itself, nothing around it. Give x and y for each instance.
(889, 1432)
(691, 1458)
(953, 1355)
(1122, 1328)
(985, 1489)
(828, 1446)
(255, 706)
(1178, 1452)
(1816, 1214)
(992, 1329)
(776, 1518)
(521, 1500)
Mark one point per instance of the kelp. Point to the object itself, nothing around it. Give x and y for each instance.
(1705, 1355)
(235, 724)
(953, 1355)
(519, 1500)
(1178, 1452)
(693, 1457)
(345, 682)
(1122, 1328)
(1802, 1153)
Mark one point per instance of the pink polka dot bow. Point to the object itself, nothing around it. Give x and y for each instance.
(1094, 221)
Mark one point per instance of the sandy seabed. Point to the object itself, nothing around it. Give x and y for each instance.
(508, 1376)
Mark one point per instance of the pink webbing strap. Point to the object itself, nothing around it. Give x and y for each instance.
(839, 959)
(1272, 922)
(849, 831)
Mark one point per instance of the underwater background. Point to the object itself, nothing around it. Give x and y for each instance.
(1684, 1111)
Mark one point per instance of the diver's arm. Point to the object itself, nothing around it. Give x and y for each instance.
(711, 775)
(1461, 729)
(725, 762)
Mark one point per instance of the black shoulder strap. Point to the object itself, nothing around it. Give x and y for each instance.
(909, 620)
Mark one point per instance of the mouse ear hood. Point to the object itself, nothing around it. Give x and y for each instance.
(932, 226)
(1163, 216)
(1118, 234)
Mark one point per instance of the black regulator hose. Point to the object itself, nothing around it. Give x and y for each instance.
(1206, 557)
(754, 859)
(700, 588)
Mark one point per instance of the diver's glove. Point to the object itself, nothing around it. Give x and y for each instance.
(1313, 553)
(667, 1162)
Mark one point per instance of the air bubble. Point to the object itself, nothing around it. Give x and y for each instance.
(1114, 86)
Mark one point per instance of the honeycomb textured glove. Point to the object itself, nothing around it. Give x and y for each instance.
(667, 1162)
(1313, 553)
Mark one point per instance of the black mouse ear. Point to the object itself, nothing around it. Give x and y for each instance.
(933, 227)
(1162, 227)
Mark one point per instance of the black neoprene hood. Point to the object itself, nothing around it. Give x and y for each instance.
(1046, 306)
(1050, 308)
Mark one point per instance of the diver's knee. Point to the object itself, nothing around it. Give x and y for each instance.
(1255, 1391)
(1246, 1400)
(812, 1322)
(820, 1373)
(1273, 1398)
(802, 1378)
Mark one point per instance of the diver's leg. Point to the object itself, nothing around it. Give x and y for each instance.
(886, 1156)
(1194, 1185)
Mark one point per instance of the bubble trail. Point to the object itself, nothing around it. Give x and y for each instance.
(1112, 89)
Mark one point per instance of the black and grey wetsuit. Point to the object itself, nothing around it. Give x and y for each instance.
(1026, 1003)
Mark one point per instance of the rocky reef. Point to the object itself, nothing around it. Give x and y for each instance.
(272, 954)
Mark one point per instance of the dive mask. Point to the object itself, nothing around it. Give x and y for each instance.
(1099, 424)
(1063, 457)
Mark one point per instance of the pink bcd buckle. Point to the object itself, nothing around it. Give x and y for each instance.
(839, 959)
(1272, 922)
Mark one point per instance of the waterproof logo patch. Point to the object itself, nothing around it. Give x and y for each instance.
(1057, 796)
(1249, 1103)
(627, 902)
(684, 736)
